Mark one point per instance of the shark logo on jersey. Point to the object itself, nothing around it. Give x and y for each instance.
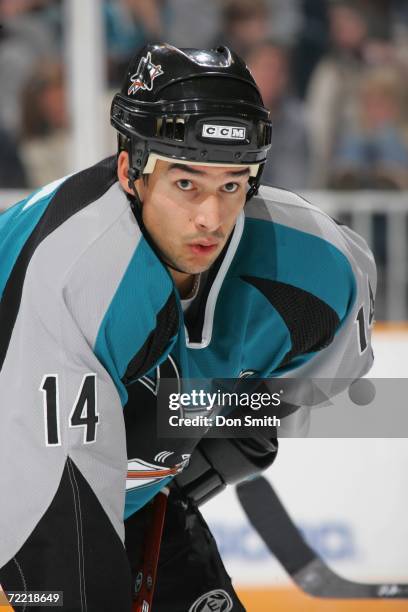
(163, 455)
(213, 601)
(146, 73)
(168, 369)
(247, 373)
(141, 473)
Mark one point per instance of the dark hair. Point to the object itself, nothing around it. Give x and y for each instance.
(240, 10)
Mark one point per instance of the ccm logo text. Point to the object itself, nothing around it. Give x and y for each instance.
(229, 132)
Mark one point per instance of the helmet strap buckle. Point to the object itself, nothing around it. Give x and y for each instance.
(133, 175)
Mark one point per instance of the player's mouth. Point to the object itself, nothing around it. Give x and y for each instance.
(203, 247)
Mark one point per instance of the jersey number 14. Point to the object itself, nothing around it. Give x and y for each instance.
(83, 414)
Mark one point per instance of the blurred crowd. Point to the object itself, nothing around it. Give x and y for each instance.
(333, 73)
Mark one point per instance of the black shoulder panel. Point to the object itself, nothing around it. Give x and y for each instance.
(167, 324)
(310, 321)
(75, 193)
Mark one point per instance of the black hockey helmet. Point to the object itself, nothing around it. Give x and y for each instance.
(192, 105)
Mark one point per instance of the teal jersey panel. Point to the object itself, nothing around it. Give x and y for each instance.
(137, 498)
(248, 333)
(299, 259)
(131, 317)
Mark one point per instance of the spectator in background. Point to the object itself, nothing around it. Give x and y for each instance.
(46, 139)
(284, 20)
(182, 30)
(288, 160)
(311, 44)
(244, 24)
(12, 173)
(11, 8)
(26, 39)
(332, 92)
(380, 47)
(281, 20)
(130, 24)
(375, 153)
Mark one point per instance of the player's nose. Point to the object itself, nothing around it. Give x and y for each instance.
(208, 214)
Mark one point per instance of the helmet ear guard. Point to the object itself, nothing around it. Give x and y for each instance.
(136, 161)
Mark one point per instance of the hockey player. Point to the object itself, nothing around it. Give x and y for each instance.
(162, 262)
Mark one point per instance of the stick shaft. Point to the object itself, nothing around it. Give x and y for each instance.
(270, 519)
(144, 598)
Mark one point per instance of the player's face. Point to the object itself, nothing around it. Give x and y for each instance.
(190, 211)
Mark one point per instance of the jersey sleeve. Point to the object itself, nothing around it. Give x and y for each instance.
(349, 355)
(62, 439)
(82, 325)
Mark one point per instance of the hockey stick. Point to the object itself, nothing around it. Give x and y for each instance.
(269, 518)
(147, 575)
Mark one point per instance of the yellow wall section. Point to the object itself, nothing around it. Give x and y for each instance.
(293, 600)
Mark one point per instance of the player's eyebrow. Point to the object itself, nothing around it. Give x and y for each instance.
(185, 168)
(192, 170)
(243, 172)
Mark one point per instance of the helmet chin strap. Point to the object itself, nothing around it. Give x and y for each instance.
(254, 184)
(136, 206)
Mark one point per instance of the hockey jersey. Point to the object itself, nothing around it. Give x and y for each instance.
(90, 320)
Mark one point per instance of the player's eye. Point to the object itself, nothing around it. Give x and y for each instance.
(230, 187)
(184, 184)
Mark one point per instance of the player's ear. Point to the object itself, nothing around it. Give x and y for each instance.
(123, 168)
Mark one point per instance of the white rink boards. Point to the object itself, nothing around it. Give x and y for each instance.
(349, 496)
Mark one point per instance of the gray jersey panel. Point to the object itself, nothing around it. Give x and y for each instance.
(93, 277)
(291, 210)
(344, 358)
(53, 335)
